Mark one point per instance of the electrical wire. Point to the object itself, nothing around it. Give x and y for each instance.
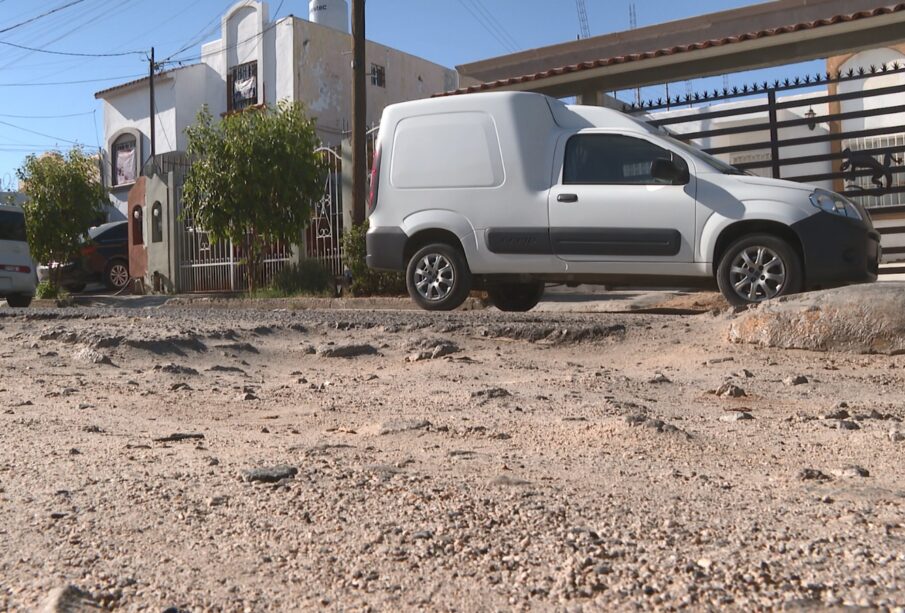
(483, 23)
(46, 116)
(69, 53)
(128, 76)
(57, 138)
(42, 15)
(260, 34)
(493, 21)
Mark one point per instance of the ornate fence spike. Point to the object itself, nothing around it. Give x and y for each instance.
(776, 83)
(861, 70)
(851, 72)
(807, 78)
(873, 69)
(716, 93)
(745, 88)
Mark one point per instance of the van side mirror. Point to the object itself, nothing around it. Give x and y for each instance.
(668, 171)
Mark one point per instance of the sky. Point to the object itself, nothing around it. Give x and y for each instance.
(47, 100)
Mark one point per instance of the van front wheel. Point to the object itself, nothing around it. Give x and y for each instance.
(515, 297)
(438, 278)
(759, 267)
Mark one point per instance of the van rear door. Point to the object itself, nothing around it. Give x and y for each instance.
(607, 206)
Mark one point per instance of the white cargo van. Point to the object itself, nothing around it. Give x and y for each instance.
(17, 270)
(509, 191)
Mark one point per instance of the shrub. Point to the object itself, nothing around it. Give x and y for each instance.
(308, 277)
(47, 291)
(366, 282)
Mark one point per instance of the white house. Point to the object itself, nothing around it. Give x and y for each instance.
(257, 61)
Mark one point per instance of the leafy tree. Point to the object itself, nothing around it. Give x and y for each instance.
(65, 197)
(253, 177)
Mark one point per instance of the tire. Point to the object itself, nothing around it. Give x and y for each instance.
(743, 277)
(116, 275)
(515, 297)
(438, 278)
(18, 301)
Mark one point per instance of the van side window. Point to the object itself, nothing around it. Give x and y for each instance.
(612, 159)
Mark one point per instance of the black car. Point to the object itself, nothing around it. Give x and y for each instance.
(104, 258)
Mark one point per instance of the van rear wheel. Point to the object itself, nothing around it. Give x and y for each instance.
(515, 297)
(438, 278)
(759, 267)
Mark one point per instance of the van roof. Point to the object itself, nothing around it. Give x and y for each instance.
(564, 115)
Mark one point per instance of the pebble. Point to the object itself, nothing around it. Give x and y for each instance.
(403, 425)
(730, 390)
(795, 380)
(849, 472)
(271, 475)
(736, 416)
(812, 474)
(896, 436)
(346, 351)
(659, 378)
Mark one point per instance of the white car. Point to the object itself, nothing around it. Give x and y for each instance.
(17, 269)
(508, 191)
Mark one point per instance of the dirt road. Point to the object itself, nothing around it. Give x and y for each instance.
(473, 461)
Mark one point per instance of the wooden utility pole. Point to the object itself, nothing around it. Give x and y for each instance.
(152, 113)
(359, 113)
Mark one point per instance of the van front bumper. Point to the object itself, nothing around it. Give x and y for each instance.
(838, 250)
(386, 249)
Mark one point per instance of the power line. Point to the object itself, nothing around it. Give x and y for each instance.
(506, 45)
(69, 53)
(479, 4)
(47, 116)
(33, 19)
(128, 76)
(58, 138)
(274, 24)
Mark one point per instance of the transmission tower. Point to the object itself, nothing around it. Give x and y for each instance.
(633, 24)
(585, 28)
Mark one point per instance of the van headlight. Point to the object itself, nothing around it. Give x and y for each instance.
(834, 203)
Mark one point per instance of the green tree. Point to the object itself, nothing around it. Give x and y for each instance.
(65, 197)
(253, 177)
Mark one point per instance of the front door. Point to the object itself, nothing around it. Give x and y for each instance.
(607, 206)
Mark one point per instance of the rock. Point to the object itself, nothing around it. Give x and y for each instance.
(346, 351)
(736, 416)
(419, 356)
(176, 369)
(795, 380)
(93, 429)
(841, 424)
(493, 392)
(69, 599)
(271, 475)
(850, 472)
(308, 349)
(180, 386)
(744, 374)
(730, 390)
(636, 419)
(812, 474)
(403, 425)
(896, 435)
(507, 481)
(836, 414)
(179, 436)
(219, 368)
(659, 378)
(423, 535)
(866, 318)
(248, 396)
(91, 356)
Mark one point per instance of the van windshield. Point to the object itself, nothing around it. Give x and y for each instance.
(713, 162)
(12, 226)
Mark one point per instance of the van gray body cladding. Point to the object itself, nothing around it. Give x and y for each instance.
(584, 241)
(386, 249)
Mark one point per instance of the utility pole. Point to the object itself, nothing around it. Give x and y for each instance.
(153, 115)
(359, 113)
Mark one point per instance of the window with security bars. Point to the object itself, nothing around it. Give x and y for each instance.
(242, 86)
(378, 75)
(872, 164)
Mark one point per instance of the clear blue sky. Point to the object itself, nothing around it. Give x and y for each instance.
(36, 89)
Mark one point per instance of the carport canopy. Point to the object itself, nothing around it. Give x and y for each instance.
(762, 35)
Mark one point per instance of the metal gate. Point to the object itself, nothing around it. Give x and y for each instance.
(849, 137)
(324, 237)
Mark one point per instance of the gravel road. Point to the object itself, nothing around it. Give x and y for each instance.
(240, 460)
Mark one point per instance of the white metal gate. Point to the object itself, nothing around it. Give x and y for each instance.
(324, 237)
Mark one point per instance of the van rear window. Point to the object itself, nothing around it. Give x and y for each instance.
(12, 226)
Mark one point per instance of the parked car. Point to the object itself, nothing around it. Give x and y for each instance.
(17, 269)
(509, 191)
(104, 257)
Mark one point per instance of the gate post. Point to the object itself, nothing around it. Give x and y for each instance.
(347, 174)
(774, 132)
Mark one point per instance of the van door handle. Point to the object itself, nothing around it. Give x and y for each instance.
(567, 198)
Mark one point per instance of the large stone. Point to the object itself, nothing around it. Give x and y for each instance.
(857, 318)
